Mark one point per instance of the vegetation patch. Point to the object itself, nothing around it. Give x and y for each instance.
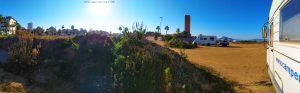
(144, 66)
(94, 63)
(177, 40)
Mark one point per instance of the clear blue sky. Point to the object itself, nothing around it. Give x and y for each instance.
(240, 19)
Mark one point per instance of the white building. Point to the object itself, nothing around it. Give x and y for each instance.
(206, 40)
(11, 26)
(29, 26)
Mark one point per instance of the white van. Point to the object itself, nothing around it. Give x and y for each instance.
(283, 47)
(224, 41)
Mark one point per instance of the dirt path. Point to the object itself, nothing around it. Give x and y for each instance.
(242, 64)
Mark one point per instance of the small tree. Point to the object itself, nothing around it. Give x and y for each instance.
(18, 26)
(139, 30)
(177, 30)
(156, 34)
(72, 27)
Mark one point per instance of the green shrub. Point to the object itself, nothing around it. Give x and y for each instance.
(178, 43)
(246, 42)
(168, 37)
(75, 45)
(173, 42)
(70, 43)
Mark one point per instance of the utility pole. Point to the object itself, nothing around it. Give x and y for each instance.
(161, 18)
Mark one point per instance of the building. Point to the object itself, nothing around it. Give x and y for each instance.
(82, 31)
(51, 31)
(186, 34)
(8, 25)
(71, 32)
(187, 22)
(30, 26)
(12, 25)
(206, 40)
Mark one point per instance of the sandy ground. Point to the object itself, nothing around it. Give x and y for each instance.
(242, 64)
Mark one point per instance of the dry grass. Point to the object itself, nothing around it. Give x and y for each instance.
(46, 37)
(242, 64)
(49, 37)
(10, 83)
(5, 36)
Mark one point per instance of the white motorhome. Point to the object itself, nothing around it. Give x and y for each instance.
(283, 47)
(206, 40)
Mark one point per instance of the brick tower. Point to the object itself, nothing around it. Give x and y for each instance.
(187, 23)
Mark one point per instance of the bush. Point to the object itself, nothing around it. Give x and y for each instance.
(173, 42)
(22, 56)
(168, 37)
(130, 65)
(13, 87)
(70, 43)
(246, 42)
(178, 43)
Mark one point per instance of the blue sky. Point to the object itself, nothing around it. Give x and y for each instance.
(240, 19)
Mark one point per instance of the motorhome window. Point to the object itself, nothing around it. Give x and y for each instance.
(290, 21)
(204, 38)
(212, 38)
(201, 38)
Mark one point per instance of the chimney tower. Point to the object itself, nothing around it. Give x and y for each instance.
(187, 23)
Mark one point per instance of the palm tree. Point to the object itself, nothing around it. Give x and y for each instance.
(158, 29)
(167, 29)
(62, 27)
(120, 28)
